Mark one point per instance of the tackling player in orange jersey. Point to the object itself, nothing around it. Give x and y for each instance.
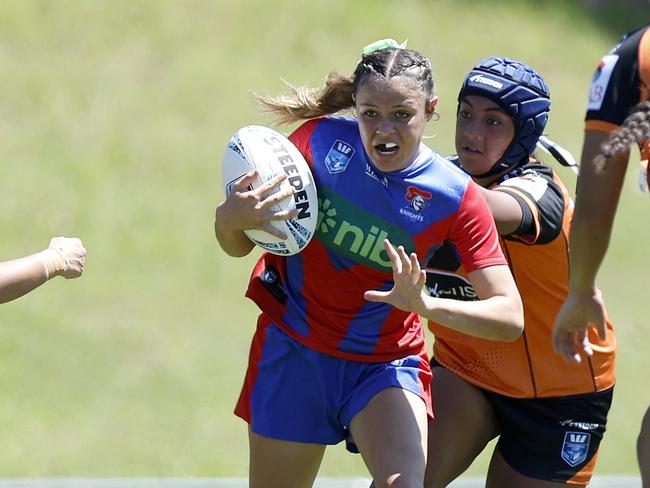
(549, 416)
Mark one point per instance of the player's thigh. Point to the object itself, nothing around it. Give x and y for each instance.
(500, 475)
(464, 423)
(391, 434)
(282, 464)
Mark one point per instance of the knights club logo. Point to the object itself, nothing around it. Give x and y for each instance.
(339, 157)
(417, 198)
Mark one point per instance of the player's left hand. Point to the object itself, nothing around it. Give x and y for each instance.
(578, 313)
(407, 292)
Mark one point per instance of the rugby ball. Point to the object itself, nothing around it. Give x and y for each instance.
(271, 153)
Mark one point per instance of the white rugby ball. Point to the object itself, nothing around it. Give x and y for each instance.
(271, 153)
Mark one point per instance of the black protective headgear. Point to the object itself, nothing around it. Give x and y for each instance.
(522, 93)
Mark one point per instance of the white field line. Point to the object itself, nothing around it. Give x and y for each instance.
(598, 482)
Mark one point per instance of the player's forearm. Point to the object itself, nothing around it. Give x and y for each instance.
(597, 196)
(587, 249)
(498, 318)
(20, 276)
(232, 240)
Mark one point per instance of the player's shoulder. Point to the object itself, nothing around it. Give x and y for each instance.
(617, 81)
(444, 174)
(455, 174)
(451, 165)
(533, 170)
(632, 38)
(533, 178)
(339, 123)
(321, 129)
(335, 127)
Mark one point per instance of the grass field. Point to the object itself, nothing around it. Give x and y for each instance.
(113, 119)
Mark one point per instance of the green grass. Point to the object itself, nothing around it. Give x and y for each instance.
(113, 119)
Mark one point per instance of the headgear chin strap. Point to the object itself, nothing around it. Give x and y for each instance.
(522, 93)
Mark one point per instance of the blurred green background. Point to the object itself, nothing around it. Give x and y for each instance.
(113, 119)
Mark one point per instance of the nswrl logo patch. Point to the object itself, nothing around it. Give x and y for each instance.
(575, 447)
(339, 157)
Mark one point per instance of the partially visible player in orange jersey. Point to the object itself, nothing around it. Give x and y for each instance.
(549, 416)
(621, 81)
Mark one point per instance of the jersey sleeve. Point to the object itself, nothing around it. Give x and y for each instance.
(474, 233)
(301, 138)
(542, 205)
(621, 80)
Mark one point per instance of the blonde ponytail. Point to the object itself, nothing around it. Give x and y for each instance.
(308, 103)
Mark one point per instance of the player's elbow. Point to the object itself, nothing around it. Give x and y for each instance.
(236, 250)
(512, 332)
(512, 325)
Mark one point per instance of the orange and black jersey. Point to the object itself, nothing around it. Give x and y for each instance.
(537, 253)
(621, 80)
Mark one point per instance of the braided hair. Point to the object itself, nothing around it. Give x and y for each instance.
(338, 93)
(635, 128)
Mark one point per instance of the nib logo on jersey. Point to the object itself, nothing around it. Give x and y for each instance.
(360, 234)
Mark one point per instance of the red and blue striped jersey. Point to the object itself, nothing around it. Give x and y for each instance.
(316, 296)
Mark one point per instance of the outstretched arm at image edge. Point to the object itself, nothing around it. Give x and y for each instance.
(65, 256)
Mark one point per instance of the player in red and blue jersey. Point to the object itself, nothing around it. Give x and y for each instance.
(425, 203)
(330, 358)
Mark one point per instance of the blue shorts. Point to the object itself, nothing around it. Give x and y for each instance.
(294, 393)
